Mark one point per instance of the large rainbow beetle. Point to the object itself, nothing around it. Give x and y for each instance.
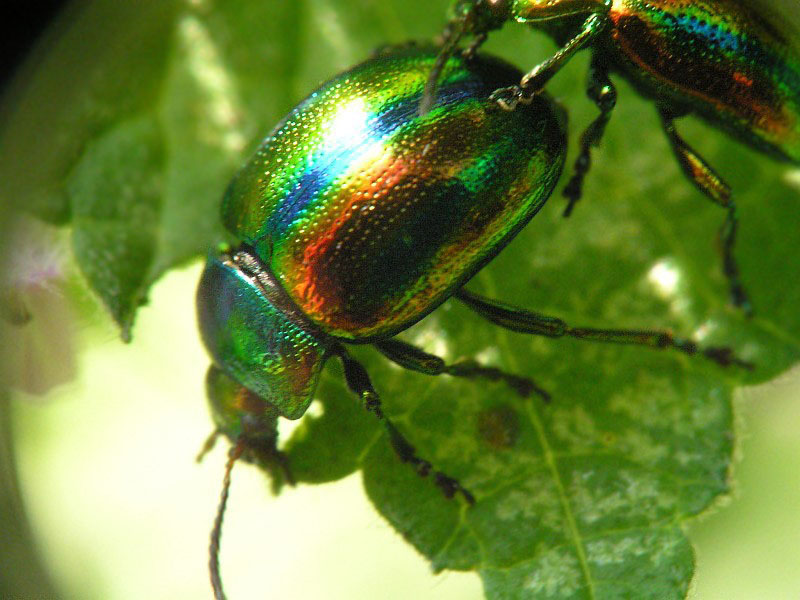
(357, 217)
(731, 62)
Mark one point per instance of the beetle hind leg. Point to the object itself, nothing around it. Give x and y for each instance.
(603, 93)
(526, 321)
(703, 176)
(359, 383)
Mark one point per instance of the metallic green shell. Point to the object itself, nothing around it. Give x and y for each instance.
(370, 215)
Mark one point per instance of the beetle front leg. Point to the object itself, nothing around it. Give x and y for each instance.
(470, 51)
(534, 81)
(703, 176)
(412, 358)
(526, 321)
(603, 93)
(359, 383)
(452, 34)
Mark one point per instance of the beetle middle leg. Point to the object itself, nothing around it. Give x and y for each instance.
(703, 176)
(603, 93)
(526, 321)
(411, 357)
(359, 383)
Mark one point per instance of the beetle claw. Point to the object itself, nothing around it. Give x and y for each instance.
(508, 98)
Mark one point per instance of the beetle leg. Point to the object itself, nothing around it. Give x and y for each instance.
(474, 45)
(603, 93)
(534, 81)
(451, 36)
(526, 321)
(359, 383)
(412, 358)
(703, 176)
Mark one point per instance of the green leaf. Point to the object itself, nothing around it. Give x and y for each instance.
(137, 117)
(115, 196)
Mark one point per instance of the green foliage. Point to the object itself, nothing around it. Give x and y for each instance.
(135, 119)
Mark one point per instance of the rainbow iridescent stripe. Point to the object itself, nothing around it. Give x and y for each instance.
(720, 58)
(369, 215)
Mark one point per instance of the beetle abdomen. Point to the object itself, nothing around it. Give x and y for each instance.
(369, 214)
(719, 58)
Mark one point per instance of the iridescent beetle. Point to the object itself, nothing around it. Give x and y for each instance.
(358, 216)
(730, 62)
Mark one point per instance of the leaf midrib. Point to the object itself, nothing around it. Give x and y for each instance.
(549, 454)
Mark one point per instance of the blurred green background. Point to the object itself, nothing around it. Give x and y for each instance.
(120, 510)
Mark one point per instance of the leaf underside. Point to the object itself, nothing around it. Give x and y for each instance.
(584, 497)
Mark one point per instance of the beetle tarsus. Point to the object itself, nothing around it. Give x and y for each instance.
(410, 357)
(725, 357)
(523, 386)
(450, 487)
(602, 92)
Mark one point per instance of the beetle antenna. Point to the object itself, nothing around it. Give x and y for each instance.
(452, 35)
(213, 548)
